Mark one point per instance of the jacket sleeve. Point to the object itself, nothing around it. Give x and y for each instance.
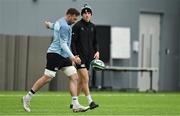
(64, 39)
(75, 35)
(95, 43)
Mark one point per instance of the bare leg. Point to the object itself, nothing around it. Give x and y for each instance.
(41, 82)
(84, 76)
(73, 80)
(79, 85)
(73, 84)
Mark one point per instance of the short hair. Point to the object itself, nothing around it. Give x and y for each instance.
(72, 11)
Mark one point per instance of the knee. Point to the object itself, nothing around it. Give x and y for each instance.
(47, 78)
(49, 73)
(85, 80)
(74, 77)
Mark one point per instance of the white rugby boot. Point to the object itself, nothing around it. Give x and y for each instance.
(26, 104)
(79, 108)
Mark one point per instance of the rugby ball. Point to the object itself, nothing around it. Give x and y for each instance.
(97, 64)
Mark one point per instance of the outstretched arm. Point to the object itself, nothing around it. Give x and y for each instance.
(49, 25)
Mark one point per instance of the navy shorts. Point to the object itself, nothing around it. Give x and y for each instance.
(56, 62)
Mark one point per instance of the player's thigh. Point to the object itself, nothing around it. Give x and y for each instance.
(52, 64)
(83, 74)
(69, 71)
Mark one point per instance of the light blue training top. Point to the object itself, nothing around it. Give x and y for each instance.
(61, 39)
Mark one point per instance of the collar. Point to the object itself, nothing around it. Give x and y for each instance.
(84, 22)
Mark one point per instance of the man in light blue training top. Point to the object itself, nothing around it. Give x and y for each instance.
(60, 57)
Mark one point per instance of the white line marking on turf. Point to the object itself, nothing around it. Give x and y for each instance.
(103, 95)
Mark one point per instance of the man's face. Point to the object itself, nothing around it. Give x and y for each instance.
(87, 16)
(72, 19)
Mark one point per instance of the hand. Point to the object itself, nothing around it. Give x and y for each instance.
(47, 24)
(76, 59)
(96, 55)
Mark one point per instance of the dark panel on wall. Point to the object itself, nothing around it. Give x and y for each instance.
(2, 61)
(103, 38)
(10, 56)
(13, 62)
(20, 62)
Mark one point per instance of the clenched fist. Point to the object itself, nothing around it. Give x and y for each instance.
(76, 60)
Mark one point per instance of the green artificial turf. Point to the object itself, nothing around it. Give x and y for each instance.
(111, 103)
